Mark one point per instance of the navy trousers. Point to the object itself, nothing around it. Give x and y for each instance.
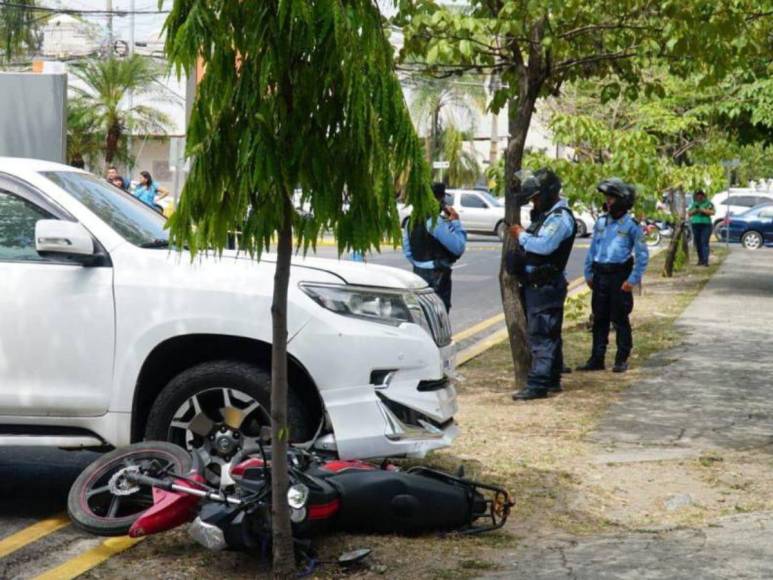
(701, 233)
(611, 305)
(439, 280)
(544, 308)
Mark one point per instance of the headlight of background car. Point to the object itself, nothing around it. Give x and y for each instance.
(382, 305)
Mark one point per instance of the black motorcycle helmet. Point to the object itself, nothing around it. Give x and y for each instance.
(624, 194)
(543, 183)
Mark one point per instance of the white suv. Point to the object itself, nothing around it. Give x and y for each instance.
(108, 337)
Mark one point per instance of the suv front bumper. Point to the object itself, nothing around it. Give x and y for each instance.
(391, 395)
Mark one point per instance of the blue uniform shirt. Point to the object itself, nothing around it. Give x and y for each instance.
(556, 229)
(449, 233)
(614, 241)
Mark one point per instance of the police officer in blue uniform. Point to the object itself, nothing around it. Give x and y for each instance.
(614, 264)
(433, 248)
(539, 263)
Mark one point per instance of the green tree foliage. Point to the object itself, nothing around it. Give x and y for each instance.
(18, 28)
(463, 167)
(102, 102)
(85, 142)
(537, 46)
(297, 94)
(441, 109)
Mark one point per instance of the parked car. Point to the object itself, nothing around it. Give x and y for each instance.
(108, 337)
(753, 228)
(482, 213)
(736, 202)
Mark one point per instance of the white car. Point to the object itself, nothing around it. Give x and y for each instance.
(108, 336)
(734, 202)
(482, 213)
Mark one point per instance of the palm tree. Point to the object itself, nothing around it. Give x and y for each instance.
(463, 166)
(84, 143)
(108, 83)
(19, 32)
(436, 104)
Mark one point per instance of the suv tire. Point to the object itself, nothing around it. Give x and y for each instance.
(241, 379)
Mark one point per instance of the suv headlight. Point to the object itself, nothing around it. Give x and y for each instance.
(383, 305)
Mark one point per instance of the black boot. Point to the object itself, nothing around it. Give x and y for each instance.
(592, 365)
(528, 394)
(620, 366)
(565, 370)
(555, 389)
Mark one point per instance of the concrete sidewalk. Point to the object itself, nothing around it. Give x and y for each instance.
(710, 394)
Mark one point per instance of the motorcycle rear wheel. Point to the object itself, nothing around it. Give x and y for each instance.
(92, 504)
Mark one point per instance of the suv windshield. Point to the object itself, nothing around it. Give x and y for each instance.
(129, 217)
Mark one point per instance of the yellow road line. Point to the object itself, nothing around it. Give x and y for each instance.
(480, 347)
(32, 533)
(476, 328)
(76, 566)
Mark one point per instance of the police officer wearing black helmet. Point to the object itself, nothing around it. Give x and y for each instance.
(614, 264)
(539, 262)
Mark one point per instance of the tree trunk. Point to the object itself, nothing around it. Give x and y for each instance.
(111, 143)
(519, 113)
(673, 248)
(283, 550)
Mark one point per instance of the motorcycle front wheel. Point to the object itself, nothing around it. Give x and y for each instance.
(104, 503)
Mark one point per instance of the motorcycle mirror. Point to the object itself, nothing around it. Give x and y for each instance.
(354, 557)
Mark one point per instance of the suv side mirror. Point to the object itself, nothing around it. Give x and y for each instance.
(65, 239)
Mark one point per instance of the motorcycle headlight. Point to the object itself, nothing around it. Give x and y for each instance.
(297, 496)
(383, 305)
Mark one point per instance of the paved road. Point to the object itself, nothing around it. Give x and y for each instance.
(476, 286)
(34, 482)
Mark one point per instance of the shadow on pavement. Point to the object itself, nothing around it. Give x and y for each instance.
(34, 481)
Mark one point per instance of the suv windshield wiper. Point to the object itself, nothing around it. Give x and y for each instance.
(156, 244)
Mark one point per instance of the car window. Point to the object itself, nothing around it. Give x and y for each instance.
(493, 201)
(472, 200)
(766, 212)
(760, 199)
(742, 200)
(17, 228)
(130, 218)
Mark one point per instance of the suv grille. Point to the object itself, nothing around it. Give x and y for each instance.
(437, 317)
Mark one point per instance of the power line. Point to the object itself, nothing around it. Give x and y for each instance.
(79, 12)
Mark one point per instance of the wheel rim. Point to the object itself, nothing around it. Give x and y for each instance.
(752, 241)
(501, 231)
(216, 422)
(109, 496)
(580, 228)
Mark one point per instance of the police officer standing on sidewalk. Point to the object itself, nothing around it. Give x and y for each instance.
(614, 264)
(433, 249)
(539, 262)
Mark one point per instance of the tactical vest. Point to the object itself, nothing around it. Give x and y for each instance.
(425, 247)
(560, 257)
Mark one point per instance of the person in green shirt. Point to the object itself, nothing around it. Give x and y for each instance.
(700, 213)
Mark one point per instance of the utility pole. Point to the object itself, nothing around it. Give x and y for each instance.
(110, 38)
(131, 93)
(494, 144)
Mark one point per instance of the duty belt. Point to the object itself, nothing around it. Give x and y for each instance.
(601, 268)
(542, 276)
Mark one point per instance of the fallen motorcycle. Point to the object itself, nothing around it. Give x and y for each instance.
(151, 487)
